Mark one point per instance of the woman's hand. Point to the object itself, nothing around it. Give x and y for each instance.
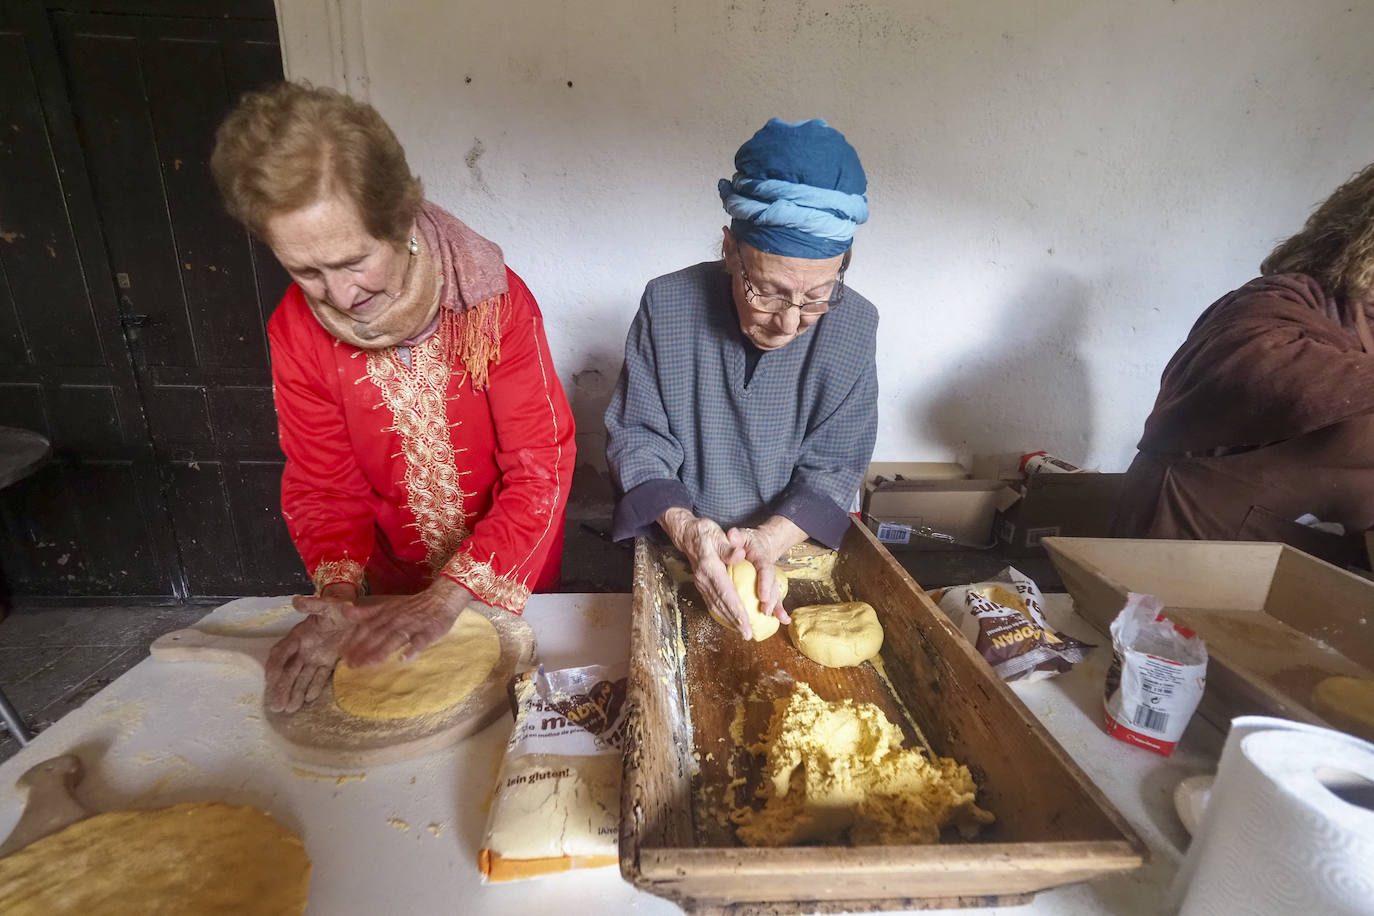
(384, 624)
(761, 547)
(300, 663)
(711, 554)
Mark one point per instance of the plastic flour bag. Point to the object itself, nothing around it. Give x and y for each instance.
(1004, 619)
(1157, 676)
(557, 800)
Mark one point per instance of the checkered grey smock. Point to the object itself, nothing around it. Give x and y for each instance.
(683, 428)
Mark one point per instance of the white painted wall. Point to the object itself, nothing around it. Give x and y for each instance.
(1058, 187)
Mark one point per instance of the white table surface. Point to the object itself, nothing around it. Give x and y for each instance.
(403, 838)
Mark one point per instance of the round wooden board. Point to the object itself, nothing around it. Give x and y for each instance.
(322, 734)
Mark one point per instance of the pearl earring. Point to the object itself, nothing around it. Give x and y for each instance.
(414, 245)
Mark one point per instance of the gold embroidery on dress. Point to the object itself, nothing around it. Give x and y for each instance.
(486, 583)
(331, 572)
(418, 397)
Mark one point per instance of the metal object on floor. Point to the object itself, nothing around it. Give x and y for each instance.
(21, 453)
(13, 721)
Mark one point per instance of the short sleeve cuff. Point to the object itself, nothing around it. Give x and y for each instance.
(815, 513)
(638, 510)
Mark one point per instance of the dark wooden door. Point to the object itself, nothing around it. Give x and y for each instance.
(136, 328)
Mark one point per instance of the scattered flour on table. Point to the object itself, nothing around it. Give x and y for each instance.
(599, 617)
(151, 758)
(182, 771)
(256, 622)
(127, 715)
(331, 777)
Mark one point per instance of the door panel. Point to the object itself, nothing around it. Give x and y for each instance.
(42, 270)
(217, 270)
(90, 521)
(255, 501)
(201, 355)
(205, 530)
(145, 358)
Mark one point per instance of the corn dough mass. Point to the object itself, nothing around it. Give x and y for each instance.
(837, 772)
(745, 579)
(200, 857)
(441, 676)
(837, 635)
(1349, 700)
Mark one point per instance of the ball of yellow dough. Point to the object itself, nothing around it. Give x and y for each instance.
(837, 635)
(1347, 701)
(745, 578)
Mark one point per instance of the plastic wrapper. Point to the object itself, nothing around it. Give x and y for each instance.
(1004, 618)
(1157, 676)
(557, 800)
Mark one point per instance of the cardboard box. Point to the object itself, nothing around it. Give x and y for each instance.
(1059, 505)
(1277, 622)
(900, 499)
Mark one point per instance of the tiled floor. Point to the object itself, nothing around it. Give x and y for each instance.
(52, 659)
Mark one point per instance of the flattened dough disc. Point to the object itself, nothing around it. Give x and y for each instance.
(322, 734)
(446, 671)
(202, 857)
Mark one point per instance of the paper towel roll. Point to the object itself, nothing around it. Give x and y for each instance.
(1275, 838)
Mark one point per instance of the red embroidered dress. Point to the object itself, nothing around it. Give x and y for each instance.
(399, 472)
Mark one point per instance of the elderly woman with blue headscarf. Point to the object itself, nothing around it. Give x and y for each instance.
(745, 415)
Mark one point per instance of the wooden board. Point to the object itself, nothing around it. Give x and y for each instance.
(1276, 621)
(50, 802)
(322, 734)
(688, 676)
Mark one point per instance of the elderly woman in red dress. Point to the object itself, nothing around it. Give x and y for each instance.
(429, 444)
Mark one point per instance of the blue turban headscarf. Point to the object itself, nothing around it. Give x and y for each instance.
(799, 190)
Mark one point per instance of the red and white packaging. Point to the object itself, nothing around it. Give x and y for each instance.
(1034, 463)
(1158, 674)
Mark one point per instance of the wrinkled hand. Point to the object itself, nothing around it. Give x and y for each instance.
(711, 554)
(384, 624)
(762, 548)
(300, 663)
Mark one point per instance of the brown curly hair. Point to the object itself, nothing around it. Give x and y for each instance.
(1336, 246)
(284, 147)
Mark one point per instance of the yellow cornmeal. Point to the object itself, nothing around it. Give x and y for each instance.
(837, 772)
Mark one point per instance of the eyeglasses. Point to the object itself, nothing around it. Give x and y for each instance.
(776, 304)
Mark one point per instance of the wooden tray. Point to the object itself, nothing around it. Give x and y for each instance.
(686, 676)
(1276, 621)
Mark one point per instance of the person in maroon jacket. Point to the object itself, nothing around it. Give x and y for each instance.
(1265, 415)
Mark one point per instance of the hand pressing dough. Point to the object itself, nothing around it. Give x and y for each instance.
(443, 674)
(1346, 701)
(837, 635)
(199, 857)
(745, 577)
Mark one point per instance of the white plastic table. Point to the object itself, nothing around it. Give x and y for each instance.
(403, 838)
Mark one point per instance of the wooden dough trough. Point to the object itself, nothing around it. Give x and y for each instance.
(686, 677)
(322, 734)
(1276, 621)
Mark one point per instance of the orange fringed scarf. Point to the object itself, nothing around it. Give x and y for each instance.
(473, 337)
(473, 273)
